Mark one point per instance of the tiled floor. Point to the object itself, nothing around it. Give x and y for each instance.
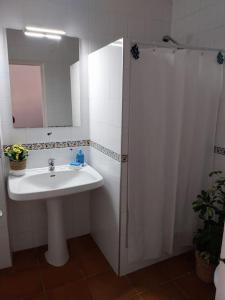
(88, 276)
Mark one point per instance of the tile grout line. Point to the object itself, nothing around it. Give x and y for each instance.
(41, 279)
(181, 290)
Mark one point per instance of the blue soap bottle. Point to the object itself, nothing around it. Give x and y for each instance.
(80, 157)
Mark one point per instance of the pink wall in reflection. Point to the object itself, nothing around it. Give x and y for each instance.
(27, 95)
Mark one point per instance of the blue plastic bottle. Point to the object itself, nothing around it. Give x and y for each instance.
(80, 157)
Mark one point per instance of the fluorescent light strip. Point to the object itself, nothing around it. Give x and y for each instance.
(53, 36)
(45, 30)
(42, 35)
(34, 34)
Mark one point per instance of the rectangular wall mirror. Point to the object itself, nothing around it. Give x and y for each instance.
(45, 80)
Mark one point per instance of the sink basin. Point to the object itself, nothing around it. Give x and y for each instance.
(39, 184)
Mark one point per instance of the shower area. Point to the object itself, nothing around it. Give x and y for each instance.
(169, 103)
(174, 98)
(174, 102)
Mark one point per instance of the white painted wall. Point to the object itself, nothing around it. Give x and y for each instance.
(97, 23)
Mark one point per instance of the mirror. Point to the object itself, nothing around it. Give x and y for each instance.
(44, 79)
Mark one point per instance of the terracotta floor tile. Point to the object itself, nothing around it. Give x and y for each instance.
(93, 262)
(148, 278)
(34, 297)
(165, 292)
(56, 276)
(180, 265)
(24, 260)
(111, 287)
(20, 285)
(194, 288)
(88, 276)
(81, 245)
(70, 291)
(7, 271)
(40, 251)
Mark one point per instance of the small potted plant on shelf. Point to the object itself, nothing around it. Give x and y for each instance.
(210, 207)
(17, 155)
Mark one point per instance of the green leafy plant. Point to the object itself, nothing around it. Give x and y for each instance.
(16, 152)
(210, 207)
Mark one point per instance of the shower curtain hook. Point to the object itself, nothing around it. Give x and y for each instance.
(220, 58)
(135, 51)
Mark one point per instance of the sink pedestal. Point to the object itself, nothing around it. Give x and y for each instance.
(57, 254)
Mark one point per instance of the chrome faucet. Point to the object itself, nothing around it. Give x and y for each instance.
(51, 164)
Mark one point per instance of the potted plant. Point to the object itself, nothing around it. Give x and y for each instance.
(17, 155)
(210, 207)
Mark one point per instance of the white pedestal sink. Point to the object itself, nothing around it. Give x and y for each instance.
(57, 254)
(39, 184)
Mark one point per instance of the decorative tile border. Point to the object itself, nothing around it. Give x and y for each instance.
(70, 144)
(52, 145)
(106, 151)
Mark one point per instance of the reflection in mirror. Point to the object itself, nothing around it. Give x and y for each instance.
(44, 79)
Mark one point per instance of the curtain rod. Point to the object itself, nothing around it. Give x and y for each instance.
(178, 47)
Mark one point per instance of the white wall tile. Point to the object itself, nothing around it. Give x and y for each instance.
(28, 220)
(105, 207)
(5, 257)
(105, 81)
(96, 22)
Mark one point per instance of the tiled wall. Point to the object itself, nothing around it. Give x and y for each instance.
(202, 23)
(5, 257)
(105, 88)
(96, 22)
(28, 222)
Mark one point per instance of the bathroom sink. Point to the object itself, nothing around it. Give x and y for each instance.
(40, 183)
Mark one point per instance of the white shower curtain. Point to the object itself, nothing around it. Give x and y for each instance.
(173, 113)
